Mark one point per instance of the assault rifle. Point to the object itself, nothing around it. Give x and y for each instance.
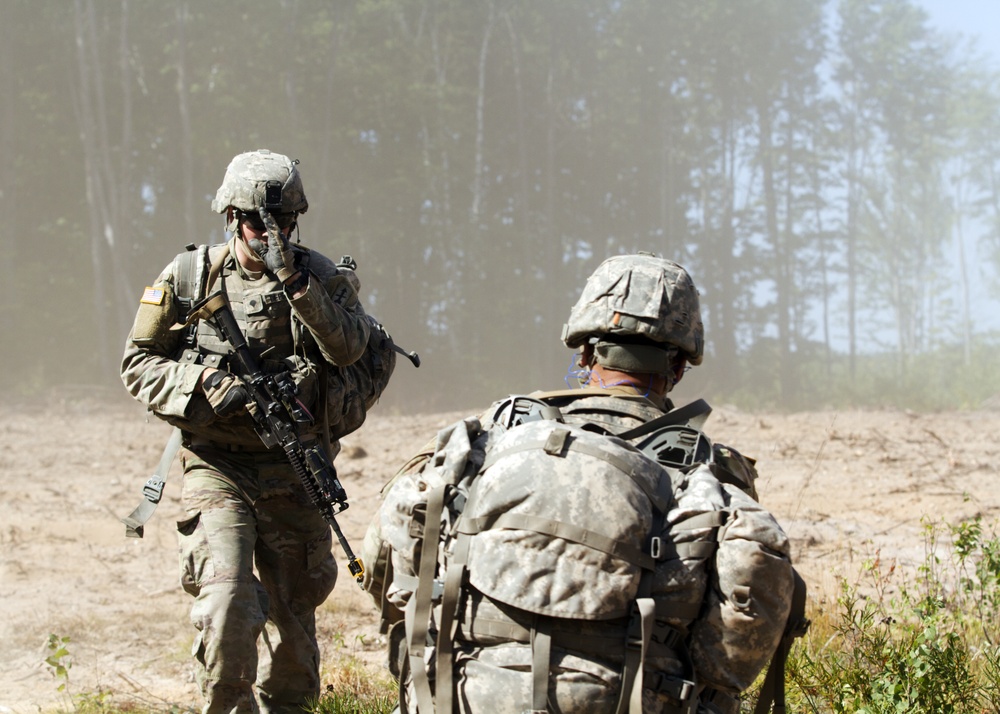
(278, 415)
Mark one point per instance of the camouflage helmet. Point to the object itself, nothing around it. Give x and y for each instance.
(260, 178)
(638, 310)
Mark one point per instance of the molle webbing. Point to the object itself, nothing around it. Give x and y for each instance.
(262, 312)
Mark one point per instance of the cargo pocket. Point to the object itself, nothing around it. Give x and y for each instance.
(321, 571)
(195, 554)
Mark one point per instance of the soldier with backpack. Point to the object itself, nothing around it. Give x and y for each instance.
(585, 550)
(254, 552)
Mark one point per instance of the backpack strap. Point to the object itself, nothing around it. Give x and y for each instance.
(541, 658)
(418, 609)
(772, 691)
(453, 581)
(680, 415)
(190, 269)
(216, 267)
(640, 630)
(299, 330)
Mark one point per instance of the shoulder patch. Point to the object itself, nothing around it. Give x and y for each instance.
(152, 296)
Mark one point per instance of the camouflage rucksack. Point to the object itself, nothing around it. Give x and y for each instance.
(562, 539)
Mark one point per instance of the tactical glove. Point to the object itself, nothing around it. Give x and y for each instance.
(278, 258)
(226, 393)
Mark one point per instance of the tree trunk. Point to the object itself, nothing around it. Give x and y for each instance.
(782, 277)
(478, 180)
(187, 137)
(8, 206)
(963, 270)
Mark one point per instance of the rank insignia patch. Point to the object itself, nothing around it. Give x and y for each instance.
(152, 296)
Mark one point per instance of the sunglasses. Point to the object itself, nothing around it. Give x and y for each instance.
(257, 223)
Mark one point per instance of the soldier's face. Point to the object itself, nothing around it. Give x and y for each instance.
(252, 230)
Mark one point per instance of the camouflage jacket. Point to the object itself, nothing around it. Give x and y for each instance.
(161, 366)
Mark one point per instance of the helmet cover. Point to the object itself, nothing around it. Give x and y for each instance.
(255, 179)
(642, 299)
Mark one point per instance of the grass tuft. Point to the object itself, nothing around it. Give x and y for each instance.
(352, 688)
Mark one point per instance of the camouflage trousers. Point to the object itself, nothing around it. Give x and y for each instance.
(255, 554)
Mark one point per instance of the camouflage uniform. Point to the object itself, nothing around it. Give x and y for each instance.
(637, 314)
(245, 506)
(493, 673)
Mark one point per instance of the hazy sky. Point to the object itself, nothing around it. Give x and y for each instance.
(979, 18)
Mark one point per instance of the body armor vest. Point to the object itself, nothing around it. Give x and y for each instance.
(264, 315)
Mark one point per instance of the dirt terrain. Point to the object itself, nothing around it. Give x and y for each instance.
(845, 485)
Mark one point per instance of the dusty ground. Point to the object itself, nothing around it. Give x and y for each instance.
(844, 484)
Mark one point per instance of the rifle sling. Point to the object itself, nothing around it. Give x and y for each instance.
(152, 490)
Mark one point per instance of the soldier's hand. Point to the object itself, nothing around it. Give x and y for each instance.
(226, 393)
(279, 258)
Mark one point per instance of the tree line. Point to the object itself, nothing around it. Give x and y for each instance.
(828, 171)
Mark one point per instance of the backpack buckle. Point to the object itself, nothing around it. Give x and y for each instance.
(152, 490)
(680, 690)
(655, 548)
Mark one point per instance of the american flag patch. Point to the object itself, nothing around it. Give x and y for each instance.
(152, 296)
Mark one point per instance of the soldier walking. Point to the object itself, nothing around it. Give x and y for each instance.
(245, 507)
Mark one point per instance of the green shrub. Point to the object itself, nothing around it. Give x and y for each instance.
(924, 643)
